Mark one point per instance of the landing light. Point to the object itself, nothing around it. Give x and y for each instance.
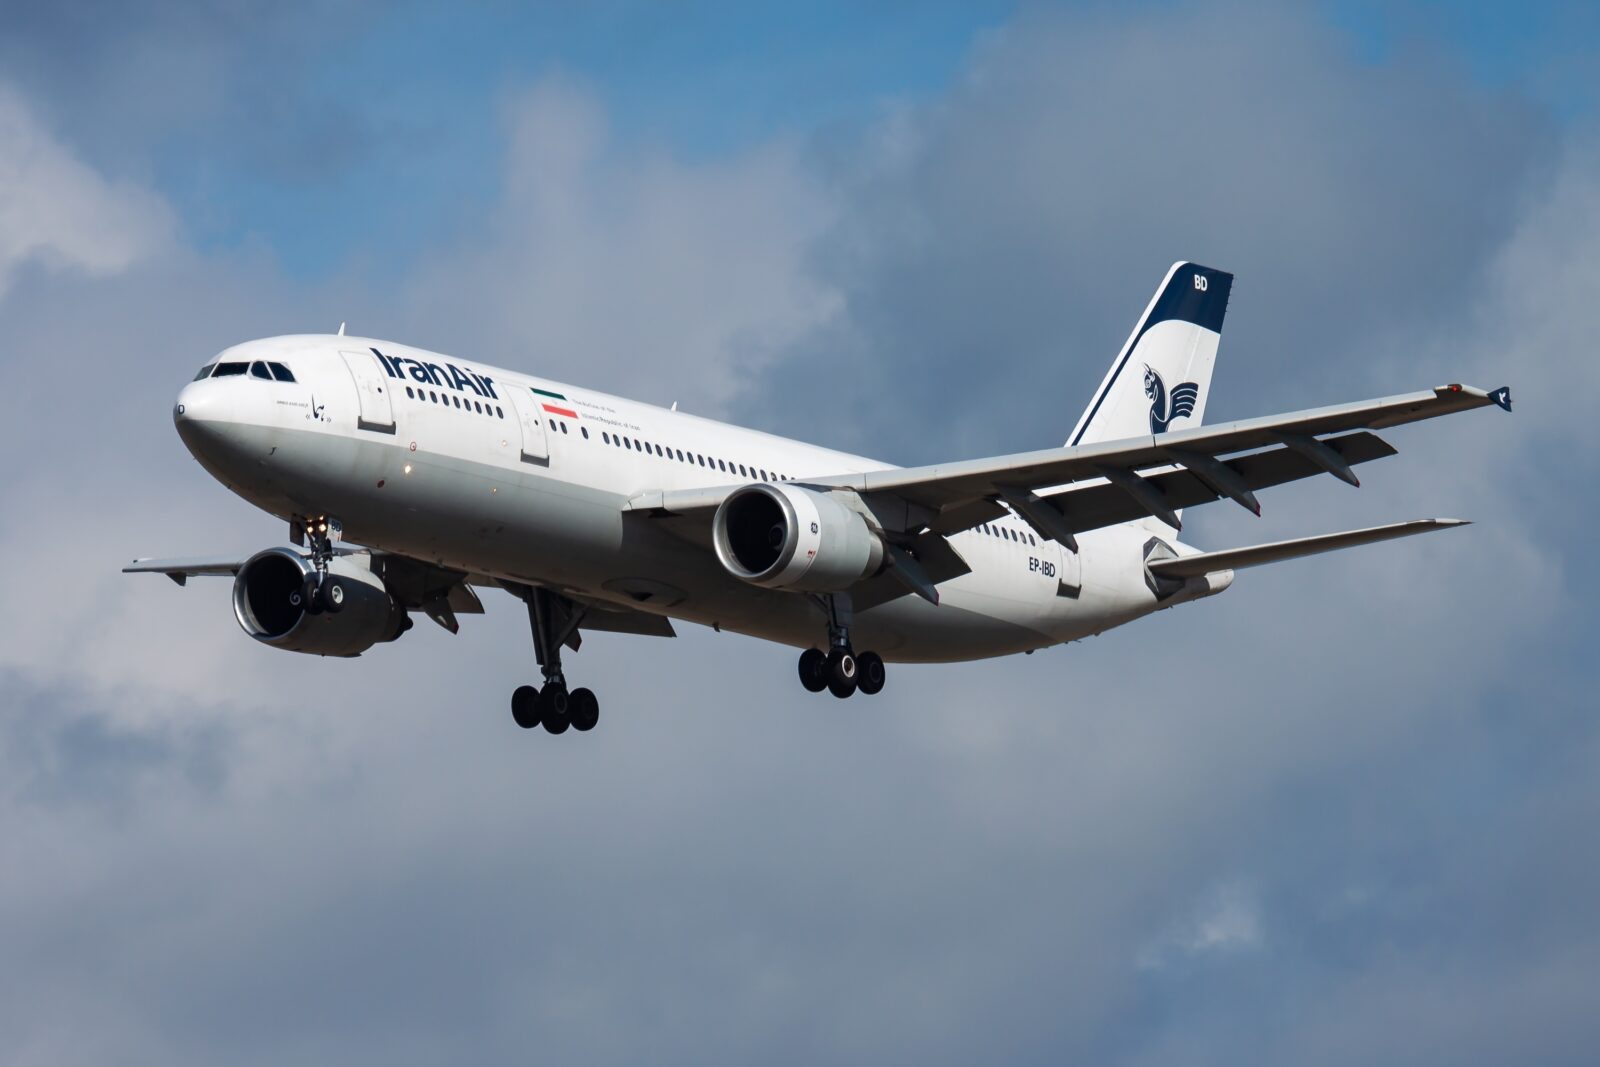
(408, 468)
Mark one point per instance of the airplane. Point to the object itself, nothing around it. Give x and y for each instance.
(412, 480)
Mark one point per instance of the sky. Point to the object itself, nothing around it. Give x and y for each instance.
(1342, 814)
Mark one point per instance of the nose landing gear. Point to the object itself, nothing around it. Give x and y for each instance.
(554, 620)
(839, 670)
(321, 591)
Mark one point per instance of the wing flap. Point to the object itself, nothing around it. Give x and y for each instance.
(1277, 551)
(1105, 504)
(610, 619)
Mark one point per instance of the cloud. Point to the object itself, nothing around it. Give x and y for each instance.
(627, 269)
(1019, 224)
(1339, 813)
(1227, 921)
(61, 214)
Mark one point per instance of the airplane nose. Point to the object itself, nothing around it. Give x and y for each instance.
(190, 403)
(201, 414)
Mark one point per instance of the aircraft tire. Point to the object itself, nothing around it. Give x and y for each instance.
(555, 707)
(525, 706)
(584, 710)
(842, 673)
(870, 674)
(331, 595)
(310, 594)
(814, 670)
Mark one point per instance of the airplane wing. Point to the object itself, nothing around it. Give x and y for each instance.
(1064, 491)
(181, 570)
(438, 592)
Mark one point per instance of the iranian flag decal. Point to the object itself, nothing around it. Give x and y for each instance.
(566, 413)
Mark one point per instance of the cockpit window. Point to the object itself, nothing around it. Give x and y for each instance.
(259, 369)
(229, 370)
(205, 372)
(280, 372)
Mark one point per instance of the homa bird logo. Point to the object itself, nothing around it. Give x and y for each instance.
(1162, 412)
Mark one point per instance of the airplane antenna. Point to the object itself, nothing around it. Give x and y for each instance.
(674, 405)
(341, 329)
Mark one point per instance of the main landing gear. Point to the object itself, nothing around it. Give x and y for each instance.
(840, 670)
(554, 620)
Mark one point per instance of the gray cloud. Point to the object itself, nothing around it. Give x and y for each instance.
(1340, 813)
(1020, 224)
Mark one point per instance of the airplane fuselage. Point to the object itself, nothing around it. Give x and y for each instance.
(508, 477)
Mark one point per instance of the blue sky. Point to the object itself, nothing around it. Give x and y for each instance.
(372, 131)
(1342, 814)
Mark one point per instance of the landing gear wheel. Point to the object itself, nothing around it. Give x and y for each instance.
(814, 670)
(525, 706)
(841, 672)
(870, 674)
(554, 708)
(332, 595)
(311, 594)
(583, 710)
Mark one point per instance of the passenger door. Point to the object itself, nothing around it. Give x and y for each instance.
(535, 449)
(372, 392)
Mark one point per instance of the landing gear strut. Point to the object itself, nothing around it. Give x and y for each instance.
(554, 620)
(839, 670)
(321, 592)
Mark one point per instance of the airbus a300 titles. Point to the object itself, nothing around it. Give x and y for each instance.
(411, 482)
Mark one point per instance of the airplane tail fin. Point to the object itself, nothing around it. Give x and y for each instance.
(1162, 376)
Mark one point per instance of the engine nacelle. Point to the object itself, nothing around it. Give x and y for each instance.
(269, 602)
(787, 537)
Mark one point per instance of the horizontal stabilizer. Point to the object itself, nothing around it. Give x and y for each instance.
(1255, 555)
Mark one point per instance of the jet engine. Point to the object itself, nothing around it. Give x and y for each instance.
(787, 537)
(271, 602)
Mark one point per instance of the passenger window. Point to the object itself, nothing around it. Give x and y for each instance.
(585, 431)
(563, 427)
(280, 372)
(702, 460)
(680, 455)
(409, 394)
(433, 396)
(205, 372)
(722, 466)
(230, 370)
(499, 414)
(456, 400)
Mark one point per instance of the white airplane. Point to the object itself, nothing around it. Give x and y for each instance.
(606, 514)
